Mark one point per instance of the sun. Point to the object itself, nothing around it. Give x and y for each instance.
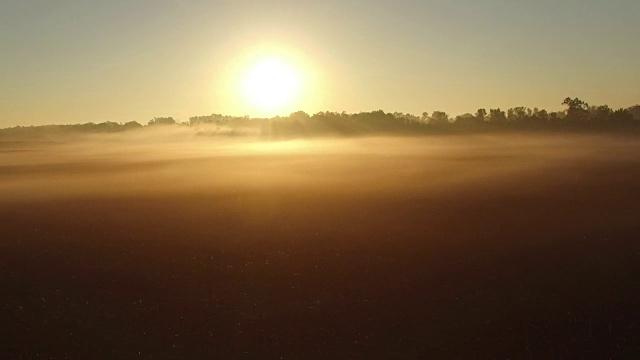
(271, 85)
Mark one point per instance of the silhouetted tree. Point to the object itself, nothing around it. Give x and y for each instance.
(600, 114)
(162, 121)
(540, 116)
(131, 125)
(299, 115)
(635, 112)
(577, 111)
(465, 120)
(556, 116)
(517, 115)
(622, 117)
(439, 118)
(481, 116)
(407, 118)
(497, 117)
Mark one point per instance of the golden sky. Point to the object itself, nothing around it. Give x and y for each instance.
(81, 61)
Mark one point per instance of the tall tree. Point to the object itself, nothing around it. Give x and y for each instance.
(578, 110)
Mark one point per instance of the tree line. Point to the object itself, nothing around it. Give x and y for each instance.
(577, 115)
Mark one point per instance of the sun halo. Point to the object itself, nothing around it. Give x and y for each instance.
(271, 85)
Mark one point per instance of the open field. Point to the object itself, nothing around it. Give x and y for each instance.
(506, 246)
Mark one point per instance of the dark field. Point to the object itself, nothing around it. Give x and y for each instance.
(500, 247)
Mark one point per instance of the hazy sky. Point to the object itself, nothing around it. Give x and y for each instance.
(74, 61)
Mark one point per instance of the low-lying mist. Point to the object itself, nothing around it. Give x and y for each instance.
(174, 162)
(167, 241)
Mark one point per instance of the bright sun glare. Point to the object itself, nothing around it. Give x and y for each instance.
(271, 85)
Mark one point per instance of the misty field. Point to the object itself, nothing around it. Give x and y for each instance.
(169, 245)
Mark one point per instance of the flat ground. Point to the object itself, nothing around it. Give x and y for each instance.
(500, 247)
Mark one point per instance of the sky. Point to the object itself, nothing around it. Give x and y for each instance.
(73, 61)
